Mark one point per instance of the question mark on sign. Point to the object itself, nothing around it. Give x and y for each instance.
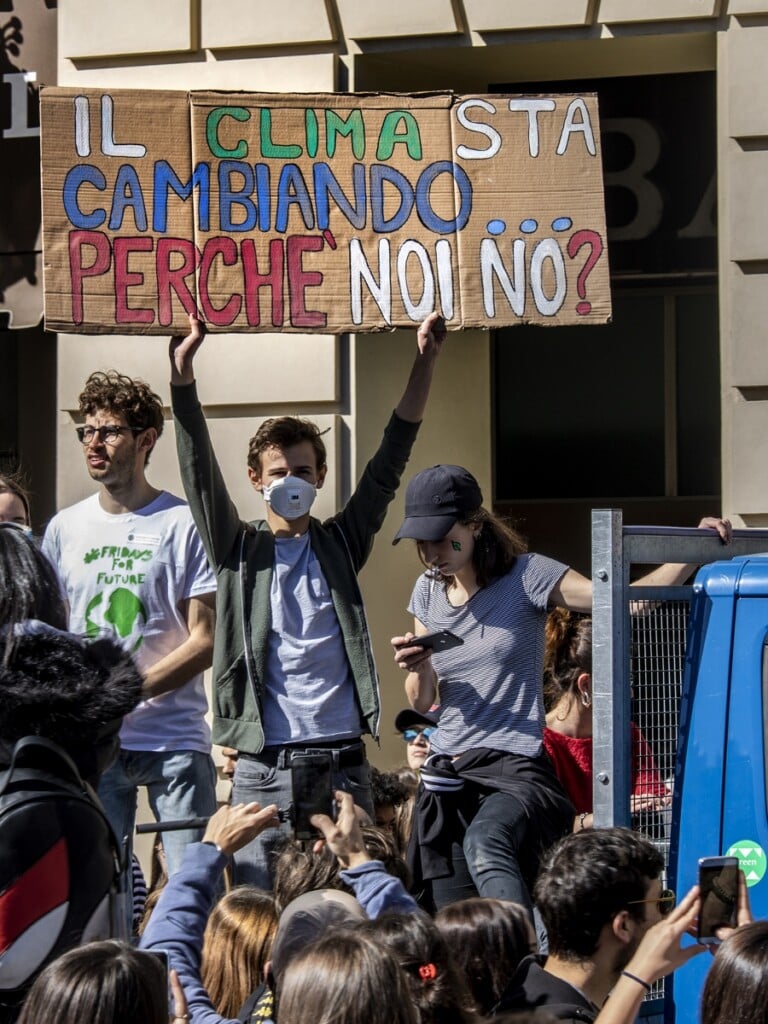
(575, 243)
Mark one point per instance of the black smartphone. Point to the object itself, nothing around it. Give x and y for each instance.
(312, 788)
(162, 956)
(442, 641)
(719, 885)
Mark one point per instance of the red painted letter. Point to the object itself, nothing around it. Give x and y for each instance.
(174, 279)
(101, 264)
(125, 279)
(254, 280)
(226, 314)
(299, 279)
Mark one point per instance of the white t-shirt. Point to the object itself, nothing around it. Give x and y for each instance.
(126, 576)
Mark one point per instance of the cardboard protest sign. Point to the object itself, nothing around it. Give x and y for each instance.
(333, 212)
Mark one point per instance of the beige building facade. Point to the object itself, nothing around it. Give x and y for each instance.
(687, 341)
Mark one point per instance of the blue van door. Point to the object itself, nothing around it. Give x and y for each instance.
(719, 804)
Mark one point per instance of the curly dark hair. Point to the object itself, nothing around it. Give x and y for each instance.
(116, 393)
(387, 788)
(284, 432)
(586, 879)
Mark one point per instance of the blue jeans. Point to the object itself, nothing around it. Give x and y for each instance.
(258, 777)
(180, 784)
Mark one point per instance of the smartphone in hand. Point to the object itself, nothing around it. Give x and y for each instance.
(312, 790)
(442, 641)
(719, 885)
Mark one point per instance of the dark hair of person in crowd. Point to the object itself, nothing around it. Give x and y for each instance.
(285, 432)
(100, 983)
(345, 978)
(69, 691)
(736, 987)
(236, 947)
(11, 483)
(497, 546)
(586, 879)
(488, 938)
(29, 587)
(568, 654)
(298, 869)
(437, 987)
(110, 391)
(388, 794)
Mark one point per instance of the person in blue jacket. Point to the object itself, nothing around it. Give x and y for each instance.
(179, 919)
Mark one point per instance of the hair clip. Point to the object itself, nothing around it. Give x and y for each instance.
(427, 972)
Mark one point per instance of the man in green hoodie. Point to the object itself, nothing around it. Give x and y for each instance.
(293, 666)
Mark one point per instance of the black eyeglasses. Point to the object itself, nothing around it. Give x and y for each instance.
(409, 735)
(665, 901)
(107, 435)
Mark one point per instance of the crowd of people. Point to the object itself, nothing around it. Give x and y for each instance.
(467, 885)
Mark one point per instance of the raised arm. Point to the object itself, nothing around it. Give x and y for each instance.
(429, 338)
(212, 509)
(574, 591)
(182, 352)
(659, 953)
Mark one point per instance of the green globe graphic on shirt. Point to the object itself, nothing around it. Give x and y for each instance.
(119, 611)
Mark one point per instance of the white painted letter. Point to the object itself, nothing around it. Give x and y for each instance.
(478, 126)
(360, 271)
(584, 126)
(532, 107)
(445, 276)
(492, 264)
(416, 310)
(108, 145)
(548, 249)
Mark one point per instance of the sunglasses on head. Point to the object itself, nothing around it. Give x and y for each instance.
(409, 735)
(665, 901)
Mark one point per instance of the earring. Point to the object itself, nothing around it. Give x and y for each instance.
(586, 700)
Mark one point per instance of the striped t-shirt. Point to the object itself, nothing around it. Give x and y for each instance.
(491, 686)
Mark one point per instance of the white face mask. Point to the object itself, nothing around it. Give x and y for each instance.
(290, 497)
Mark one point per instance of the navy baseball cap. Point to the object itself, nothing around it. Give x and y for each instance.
(409, 717)
(435, 499)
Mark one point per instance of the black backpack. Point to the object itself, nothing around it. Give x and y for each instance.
(60, 866)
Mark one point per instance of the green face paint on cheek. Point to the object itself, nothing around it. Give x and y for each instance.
(456, 545)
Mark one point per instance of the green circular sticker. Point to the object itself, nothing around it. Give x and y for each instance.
(752, 859)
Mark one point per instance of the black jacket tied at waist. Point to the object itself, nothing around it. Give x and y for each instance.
(451, 792)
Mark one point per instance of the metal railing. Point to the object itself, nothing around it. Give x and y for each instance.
(639, 639)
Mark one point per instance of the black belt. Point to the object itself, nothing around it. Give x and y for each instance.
(348, 756)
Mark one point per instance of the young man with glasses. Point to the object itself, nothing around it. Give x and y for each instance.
(416, 728)
(132, 565)
(598, 893)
